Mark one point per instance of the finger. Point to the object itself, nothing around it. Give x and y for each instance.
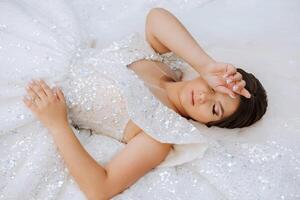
(38, 90)
(229, 79)
(230, 85)
(245, 93)
(230, 70)
(38, 102)
(29, 104)
(60, 94)
(237, 77)
(241, 89)
(239, 86)
(46, 88)
(31, 93)
(225, 90)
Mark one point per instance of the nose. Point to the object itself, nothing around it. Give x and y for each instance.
(201, 97)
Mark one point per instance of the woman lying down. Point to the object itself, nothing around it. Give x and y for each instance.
(126, 92)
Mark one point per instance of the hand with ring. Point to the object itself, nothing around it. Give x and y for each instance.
(48, 105)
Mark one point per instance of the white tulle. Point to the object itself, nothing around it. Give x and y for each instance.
(43, 39)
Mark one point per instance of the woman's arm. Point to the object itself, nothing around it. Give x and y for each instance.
(140, 155)
(88, 174)
(166, 33)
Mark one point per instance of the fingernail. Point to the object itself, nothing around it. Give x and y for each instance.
(228, 81)
(235, 87)
(232, 96)
(225, 75)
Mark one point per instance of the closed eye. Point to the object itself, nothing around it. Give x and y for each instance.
(213, 110)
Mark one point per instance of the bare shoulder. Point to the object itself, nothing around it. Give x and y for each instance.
(147, 70)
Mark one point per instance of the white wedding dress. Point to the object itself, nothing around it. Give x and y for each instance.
(44, 40)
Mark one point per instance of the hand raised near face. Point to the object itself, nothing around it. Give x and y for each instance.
(223, 77)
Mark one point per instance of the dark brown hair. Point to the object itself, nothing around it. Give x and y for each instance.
(250, 109)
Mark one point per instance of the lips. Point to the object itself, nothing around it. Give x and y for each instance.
(192, 98)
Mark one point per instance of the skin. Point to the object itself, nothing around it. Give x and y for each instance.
(205, 106)
(142, 153)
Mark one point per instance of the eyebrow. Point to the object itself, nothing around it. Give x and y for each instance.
(221, 109)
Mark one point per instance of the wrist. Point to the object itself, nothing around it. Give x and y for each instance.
(60, 127)
(204, 67)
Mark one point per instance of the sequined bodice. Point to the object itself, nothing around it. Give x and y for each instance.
(40, 39)
(103, 94)
(95, 102)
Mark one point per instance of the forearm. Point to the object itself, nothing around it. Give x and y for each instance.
(89, 175)
(169, 31)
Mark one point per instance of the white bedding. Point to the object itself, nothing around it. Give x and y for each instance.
(263, 37)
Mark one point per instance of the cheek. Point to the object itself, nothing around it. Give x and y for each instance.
(199, 113)
(185, 98)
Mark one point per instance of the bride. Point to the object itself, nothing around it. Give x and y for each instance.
(117, 113)
(223, 96)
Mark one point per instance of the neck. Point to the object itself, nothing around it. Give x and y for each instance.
(172, 90)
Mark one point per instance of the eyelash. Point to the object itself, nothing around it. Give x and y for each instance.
(213, 110)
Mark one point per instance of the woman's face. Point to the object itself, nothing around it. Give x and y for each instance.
(203, 104)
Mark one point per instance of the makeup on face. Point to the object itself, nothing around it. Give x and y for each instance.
(192, 98)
